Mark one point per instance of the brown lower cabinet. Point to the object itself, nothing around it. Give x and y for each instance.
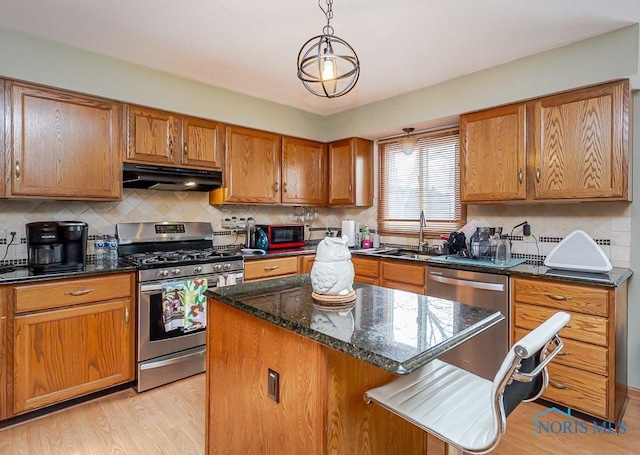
(403, 275)
(68, 338)
(590, 373)
(260, 269)
(319, 408)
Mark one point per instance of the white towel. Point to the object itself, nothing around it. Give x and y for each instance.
(226, 280)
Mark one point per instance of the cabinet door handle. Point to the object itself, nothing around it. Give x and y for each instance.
(520, 176)
(559, 385)
(126, 316)
(563, 353)
(273, 267)
(77, 293)
(350, 187)
(538, 175)
(186, 153)
(17, 170)
(556, 296)
(284, 187)
(275, 187)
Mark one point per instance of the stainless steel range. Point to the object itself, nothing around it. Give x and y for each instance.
(173, 260)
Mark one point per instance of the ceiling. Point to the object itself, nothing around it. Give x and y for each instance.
(251, 46)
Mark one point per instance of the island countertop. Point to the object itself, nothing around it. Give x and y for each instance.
(394, 330)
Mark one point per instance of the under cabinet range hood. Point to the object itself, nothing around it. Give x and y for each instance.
(169, 178)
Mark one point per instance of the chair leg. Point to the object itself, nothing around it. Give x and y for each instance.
(451, 450)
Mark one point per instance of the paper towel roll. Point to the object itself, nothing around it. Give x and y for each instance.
(349, 229)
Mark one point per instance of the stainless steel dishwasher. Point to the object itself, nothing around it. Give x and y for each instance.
(484, 353)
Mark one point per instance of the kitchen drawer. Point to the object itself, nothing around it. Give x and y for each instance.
(61, 293)
(365, 267)
(398, 272)
(581, 327)
(577, 389)
(565, 297)
(270, 268)
(366, 280)
(584, 356)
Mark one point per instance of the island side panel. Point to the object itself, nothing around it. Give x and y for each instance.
(356, 427)
(241, 418)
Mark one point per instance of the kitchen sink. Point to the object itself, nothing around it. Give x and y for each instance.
(397, 253)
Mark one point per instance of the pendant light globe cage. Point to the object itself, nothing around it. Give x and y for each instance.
(328, 66)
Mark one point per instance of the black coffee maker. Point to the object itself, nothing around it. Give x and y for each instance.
(56, 245)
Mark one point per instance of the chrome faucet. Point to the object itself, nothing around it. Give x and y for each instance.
(422, 243)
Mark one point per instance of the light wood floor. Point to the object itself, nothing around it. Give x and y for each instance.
(166, 420)
(170, 420)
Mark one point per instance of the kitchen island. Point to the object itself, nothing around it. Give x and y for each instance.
(286, 374)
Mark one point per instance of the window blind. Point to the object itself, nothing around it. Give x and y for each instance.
(428, 179)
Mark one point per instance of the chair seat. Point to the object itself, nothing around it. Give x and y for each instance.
(444, 400)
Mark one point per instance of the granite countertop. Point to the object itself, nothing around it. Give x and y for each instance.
(23, 274)
(281, 253)
(394, 330)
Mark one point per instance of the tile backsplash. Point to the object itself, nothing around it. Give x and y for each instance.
(608, 223)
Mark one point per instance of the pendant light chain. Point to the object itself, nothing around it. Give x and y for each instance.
(327, 65)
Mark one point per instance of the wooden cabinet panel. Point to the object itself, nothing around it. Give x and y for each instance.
(305, 263)
(49, 295)
(4, 350)
(202, 143)
(65, 146)
(241, 349)
(577, 354)
(252, 168)
(5, 127)
(366, 270)
(581, 143)
(572, 146)
(590, 374)
(577, 389)
(258, 269)
(351, 173)
(153, 136)
(403, 276)
(494, 149)
(303, 172)
(66, 353)
(582, 327)
(565, 297)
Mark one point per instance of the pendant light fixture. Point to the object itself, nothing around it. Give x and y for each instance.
(327, 65)
(408, 142)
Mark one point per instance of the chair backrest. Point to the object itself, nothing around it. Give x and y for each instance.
(523, 374)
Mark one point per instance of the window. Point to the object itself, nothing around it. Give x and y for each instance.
(428, 179)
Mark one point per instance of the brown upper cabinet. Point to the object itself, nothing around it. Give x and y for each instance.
(168, 139)
(351, 172)
(266, 168)
(572, 146)
(62, 145)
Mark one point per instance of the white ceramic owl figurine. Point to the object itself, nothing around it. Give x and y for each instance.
(332, 271)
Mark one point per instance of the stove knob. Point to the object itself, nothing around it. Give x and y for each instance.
(163, 273)
(197, 269)
(226, 267)
(176, 272)
(217, 268)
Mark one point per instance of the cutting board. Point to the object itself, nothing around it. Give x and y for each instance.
(475, 262)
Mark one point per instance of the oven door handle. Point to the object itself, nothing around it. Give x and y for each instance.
(173, 360)
(150, 287)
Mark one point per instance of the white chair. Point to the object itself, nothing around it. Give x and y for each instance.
(466, 411)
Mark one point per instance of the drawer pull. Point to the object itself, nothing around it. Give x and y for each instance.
(77, 293)
(559, 385)
(273, 267)
(564, 353)
(556, 296)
